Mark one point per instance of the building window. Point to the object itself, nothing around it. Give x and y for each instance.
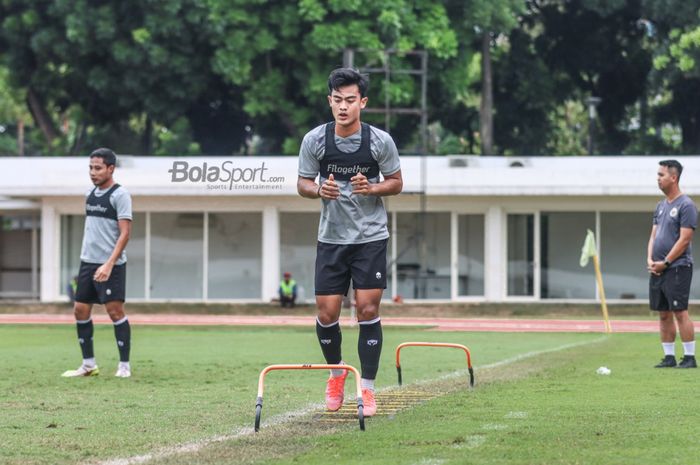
(423, 255)
(521, 254)
(298, 239)
(72, 227)
(136, 258)
(561, 237)
(235, 256)
(177, 255)
(624, 238)
(470, 255)
(19, 252)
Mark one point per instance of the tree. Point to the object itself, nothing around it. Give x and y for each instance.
(677, 60)
(489, 19)
(107, 61)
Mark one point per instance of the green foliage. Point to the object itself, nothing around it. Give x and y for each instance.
(569, 129)
(683, 52)
(221, 66)
(175, 140)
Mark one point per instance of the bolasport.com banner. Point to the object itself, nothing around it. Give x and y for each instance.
(225, 176)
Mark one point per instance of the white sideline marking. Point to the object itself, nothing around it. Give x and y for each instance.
(494, 426)
(198, 445)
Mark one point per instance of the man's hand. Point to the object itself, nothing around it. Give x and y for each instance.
(329, 189)
(656, 268)
(103, 273)
(360, 184)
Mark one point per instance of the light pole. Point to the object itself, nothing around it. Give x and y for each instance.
(592, 102)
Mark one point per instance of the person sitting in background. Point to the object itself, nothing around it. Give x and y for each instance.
(72, 288)
(288, 291)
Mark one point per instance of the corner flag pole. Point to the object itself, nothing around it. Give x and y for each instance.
(589, 250)
(601, 289)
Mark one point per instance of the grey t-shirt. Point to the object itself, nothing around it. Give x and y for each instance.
(101, 234)
(351, 218)
(669, 218)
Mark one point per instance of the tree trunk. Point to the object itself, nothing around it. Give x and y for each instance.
(147, 139)
(486, 110)
(41, 116)
(20, 137)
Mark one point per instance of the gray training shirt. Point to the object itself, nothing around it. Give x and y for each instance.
(669, 218)
(351, 218)
(101, 234)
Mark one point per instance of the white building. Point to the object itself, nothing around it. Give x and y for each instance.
(488, 229)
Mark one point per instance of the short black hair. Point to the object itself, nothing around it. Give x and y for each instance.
(673, 165)
(107, 155)
(341, 77)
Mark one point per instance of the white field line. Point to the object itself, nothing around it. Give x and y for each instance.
(195, 446)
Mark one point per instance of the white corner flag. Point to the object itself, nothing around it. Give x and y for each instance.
(587, 251)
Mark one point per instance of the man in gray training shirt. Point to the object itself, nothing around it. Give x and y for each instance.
(102, 275)
(348, 156)
(670, 264)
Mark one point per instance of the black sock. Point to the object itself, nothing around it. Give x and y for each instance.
(369, 347)
(330, 339)
(85, 332)
(122, 332)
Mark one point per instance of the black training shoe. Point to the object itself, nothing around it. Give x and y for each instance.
(688, 362)
(668, 361)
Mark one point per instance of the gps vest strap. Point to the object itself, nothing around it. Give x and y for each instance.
(101, 206)
(344, 166)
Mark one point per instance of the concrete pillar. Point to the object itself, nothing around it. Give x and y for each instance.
(50, 245)
(270, 253)
(495, 254)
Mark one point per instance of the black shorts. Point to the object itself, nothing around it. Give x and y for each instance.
(337, 263)
(91, 292)
(670, 290)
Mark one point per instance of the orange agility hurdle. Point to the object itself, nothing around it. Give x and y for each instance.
(261, 381)
(434, 344)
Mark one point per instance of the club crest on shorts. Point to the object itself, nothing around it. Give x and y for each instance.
(108, 292)
(673, 213)
(378, 275)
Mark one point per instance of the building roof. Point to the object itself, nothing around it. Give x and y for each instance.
(460, 175)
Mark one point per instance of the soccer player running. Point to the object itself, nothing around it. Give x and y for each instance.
(670, 264)
(102, 275)
(352, 234)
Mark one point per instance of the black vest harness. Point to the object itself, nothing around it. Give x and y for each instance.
(101, 206)
(344, 166)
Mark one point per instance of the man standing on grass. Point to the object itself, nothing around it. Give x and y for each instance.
(102, 275)
(670, 264)
(352, 234)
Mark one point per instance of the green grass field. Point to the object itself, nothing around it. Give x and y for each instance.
(195, 388)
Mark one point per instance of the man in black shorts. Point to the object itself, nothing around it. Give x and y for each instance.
(352, 234)
(670, 264)
(102, 275)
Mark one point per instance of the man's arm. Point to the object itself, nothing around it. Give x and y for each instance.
(103, 272)
(650, 247)
(681, 244)
(392, 185)
(307, 188)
